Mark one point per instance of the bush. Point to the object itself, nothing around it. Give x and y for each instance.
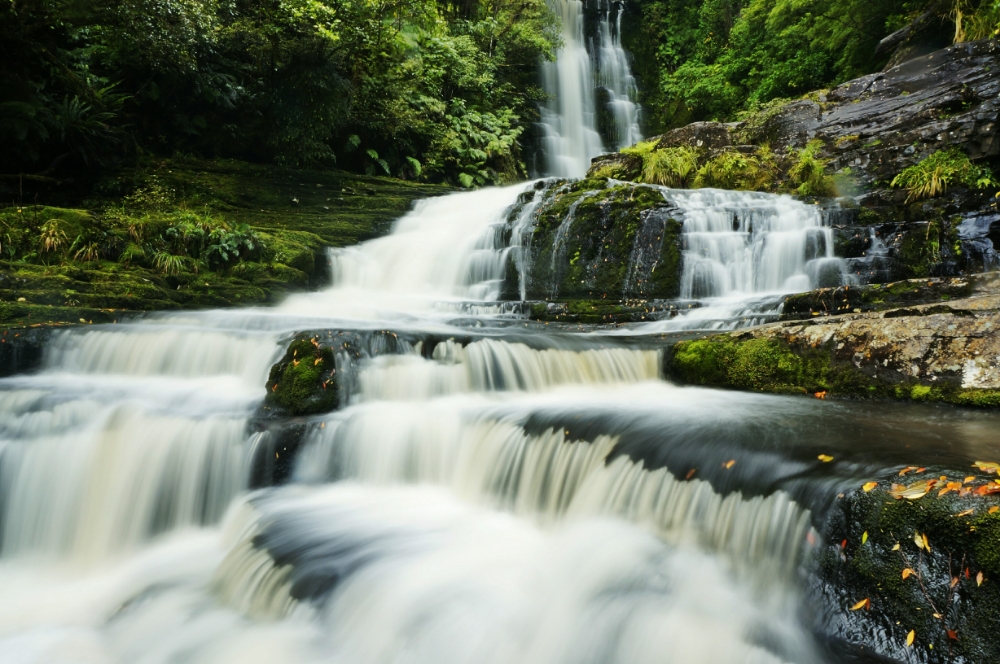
(942, 169)
(670, 167)
(807, 175)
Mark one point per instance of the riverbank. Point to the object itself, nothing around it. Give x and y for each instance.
(186, 233)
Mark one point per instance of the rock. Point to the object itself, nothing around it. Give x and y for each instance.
(708, 135)
(948, 351)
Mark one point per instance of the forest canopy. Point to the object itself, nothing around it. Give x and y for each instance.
(410, 88)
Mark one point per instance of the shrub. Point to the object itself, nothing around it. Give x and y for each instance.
(733, 170)
(807, 175)
(942, 169)
(670, 167)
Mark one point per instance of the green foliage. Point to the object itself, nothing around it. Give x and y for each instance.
(408, 88)
(807, 173)
(734, 170)
(713, 59)
(670, 167)
(941, 170)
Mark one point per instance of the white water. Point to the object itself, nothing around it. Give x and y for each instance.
(569, 124)
(427, 521)
(742, 250)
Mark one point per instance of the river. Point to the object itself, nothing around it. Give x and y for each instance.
(491, 490)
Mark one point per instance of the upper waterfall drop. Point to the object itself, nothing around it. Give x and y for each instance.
(570, 127)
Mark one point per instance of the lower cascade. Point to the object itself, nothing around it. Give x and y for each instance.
(483, 487)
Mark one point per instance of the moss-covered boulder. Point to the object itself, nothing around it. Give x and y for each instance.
(947, 352)
(919, 554)
(595, 239)
(303, 382)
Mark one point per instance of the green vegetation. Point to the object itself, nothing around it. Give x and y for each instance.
(187, 233)
(409, 88)
(770, 365)
(941, 170)
(304, 381)
(670, 167)
(718, 59)
(735, 170)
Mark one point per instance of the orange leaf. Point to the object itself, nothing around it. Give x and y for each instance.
(987, 466)
(952, 634)
(729, 464)
(863, 604)
(843, 544)
(909, 638)
(690, 473)
(869, 486)
(950, 486)
(820, 395)
(954, 581)
(994, 509)
(907, 573)
(907, 470)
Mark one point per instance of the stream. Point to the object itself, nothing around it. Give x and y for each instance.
(491, 489)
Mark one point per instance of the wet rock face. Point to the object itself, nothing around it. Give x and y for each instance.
(948, 351)
(595, 239)
(945, 589)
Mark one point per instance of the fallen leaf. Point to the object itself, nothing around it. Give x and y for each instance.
(949, 487)
(914, 491)
(909, 638)
(967, 512)
(987, 466)
(970, 478)
(921, 541)
(729, 464)
(979, 579)
(869, 486)
(937, 615)
(863, 604)
(907, 573)
(843, 544)
(993, 510)
(920, 470)
(954, 581)
(987, 489)
(907, 470)
(966, 573)
(825, 458)
(820, 395)
(927, 545)
(690, 473)
(952, 634)
(864, 537)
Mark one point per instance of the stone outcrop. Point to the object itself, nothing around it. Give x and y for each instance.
(947, 351)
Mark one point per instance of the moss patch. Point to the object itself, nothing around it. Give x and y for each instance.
(304, 381)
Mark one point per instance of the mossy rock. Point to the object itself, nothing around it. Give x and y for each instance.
(303, 382)
(871, 541)
(583, 240)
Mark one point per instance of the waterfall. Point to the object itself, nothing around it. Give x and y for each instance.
(569, 122)
(614, 75)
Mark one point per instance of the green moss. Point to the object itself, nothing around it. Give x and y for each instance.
(964, 539)
(769, 365)
(303, 382)
(754, 364)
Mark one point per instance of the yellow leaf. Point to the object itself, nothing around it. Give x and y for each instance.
(729, 464)
(869, 486)
(918, 539)
(907, 573)
(987, 466)
(979, 579)
(825, 458)
(909, 638)
(954, 582)
(861, 605)
(927, 545)
(896, 548)
(914, 491)
(967, 512)
(950, 486)
(864, 537)
(970, 478)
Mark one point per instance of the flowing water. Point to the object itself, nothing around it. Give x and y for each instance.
(489, 490)
(570, 126)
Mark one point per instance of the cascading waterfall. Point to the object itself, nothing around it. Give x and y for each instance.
(487, 491)
(614, 75)
(569, 123)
